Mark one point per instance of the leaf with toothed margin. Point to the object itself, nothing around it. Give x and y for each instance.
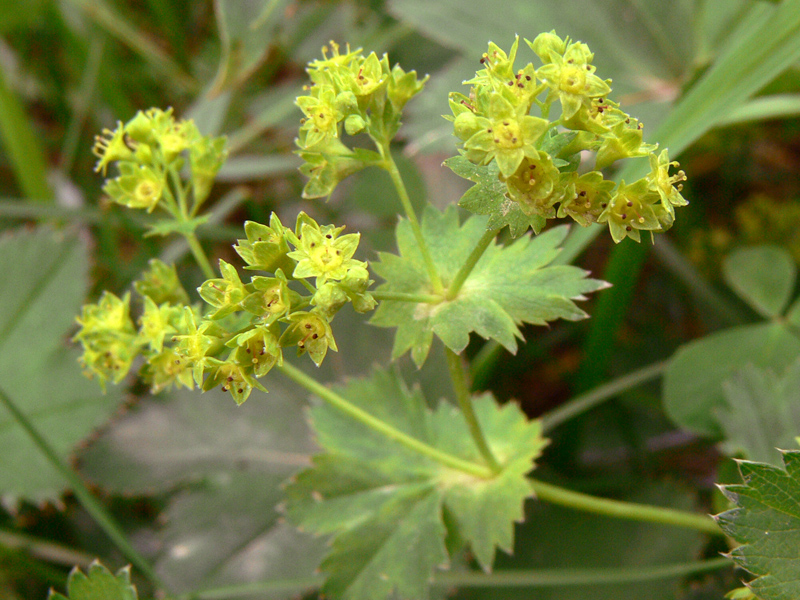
(218, 468)
(98, 584)
(766, 522)
(43, 282)
(508, 286)
(384, 503)
(488, 197)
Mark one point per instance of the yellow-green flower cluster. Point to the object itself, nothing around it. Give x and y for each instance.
(538, 158)
(241, 333)
(111, 343)
(349, 94)
(149, 151)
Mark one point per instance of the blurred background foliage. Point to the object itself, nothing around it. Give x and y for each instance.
(199, 500)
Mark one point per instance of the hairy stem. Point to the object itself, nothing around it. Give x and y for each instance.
(199, 255)
(472, 260)
(623, 510)
(44, 549)
(592, 398)
(564, 577)
(397, 180)
(97, 511)
(382, 427)
(499, 579)
(465, 403)
(407, 297)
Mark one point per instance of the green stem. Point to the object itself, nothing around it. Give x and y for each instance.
(623, 510)
(406, 297)
(397, 180)
(381, 427)
(465, 403)
(592, 398)
(472, 260)
(84, 496)
(199, 255)
(497, 579)
(257, 588)
(565, 577)
(137, 41)
(44, 549)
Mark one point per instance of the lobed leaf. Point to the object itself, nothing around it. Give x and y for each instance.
(488, 197)
(761, 413)
(383, 503)
(693, 381)
(766, 522)
(98, 584)
(762, 276)
(509, 286)
(219, 467)
(42, 285)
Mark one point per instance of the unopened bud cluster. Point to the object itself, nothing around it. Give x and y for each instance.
(149, 152)
(537, 159)
(349, 94)
(241, 332)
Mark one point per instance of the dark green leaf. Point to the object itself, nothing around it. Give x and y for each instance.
(763, 277)
(693, 380)
(559, 540)
(227, 463)
(762, 412)
(383, 502)
(509, 286)
(42, 285)
(98, 584)
(766, 522)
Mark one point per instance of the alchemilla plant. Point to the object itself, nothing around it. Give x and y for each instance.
(401, 485)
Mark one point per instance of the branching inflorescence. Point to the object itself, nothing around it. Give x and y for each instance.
(539, 160)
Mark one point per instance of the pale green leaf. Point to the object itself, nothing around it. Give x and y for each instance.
(509, 286)
(762, 412)
(98, 584)
(763, 276)
(488, 197)
(221, 466)
(245, 31)
(383, 503)
(766, 522)
(42, 286)
(693, 381)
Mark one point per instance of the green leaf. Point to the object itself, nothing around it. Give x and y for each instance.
(98, 584)
(762, 412)
(245, 31)
(763, 277)
(170, 226)
(766, 522)
(488, 197)
(509, 286)
(42, 285)
(555, 539)
(693, 381)
(221, 467)
(384, 503)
